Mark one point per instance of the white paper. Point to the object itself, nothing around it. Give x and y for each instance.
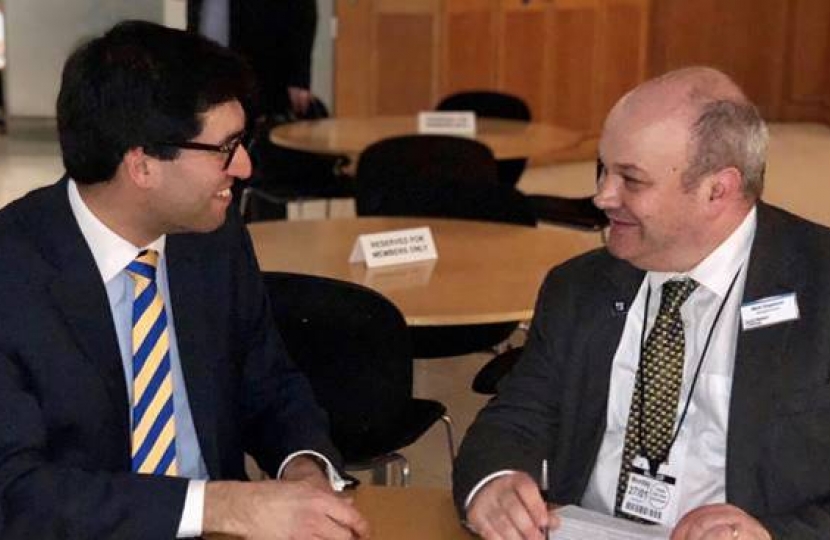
(580, 524)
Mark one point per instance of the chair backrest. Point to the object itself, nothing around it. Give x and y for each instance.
(353, 345)
(436, 175)
(487, 103)
(492, 104)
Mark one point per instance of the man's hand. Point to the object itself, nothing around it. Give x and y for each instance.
(719, 522)
(300, 99)
(510, 507)
(279, 510)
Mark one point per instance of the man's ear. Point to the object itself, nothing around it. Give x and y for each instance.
(725, 185)
(139, 167)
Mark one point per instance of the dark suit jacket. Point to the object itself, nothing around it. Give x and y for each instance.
(554, 402)
(64, 417)
(276, 37)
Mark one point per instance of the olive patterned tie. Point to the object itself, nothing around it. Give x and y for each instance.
(660, 372)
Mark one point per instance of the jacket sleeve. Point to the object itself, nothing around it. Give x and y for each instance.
(42, 500)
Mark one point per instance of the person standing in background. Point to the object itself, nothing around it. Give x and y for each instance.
(275, 36)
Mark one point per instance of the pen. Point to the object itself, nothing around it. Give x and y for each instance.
(544, 491)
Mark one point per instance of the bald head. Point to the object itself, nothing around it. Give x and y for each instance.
(724, 127)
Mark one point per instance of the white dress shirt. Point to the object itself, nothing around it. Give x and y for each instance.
(701, 443)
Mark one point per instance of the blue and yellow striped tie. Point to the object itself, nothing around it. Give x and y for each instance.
(154, 426)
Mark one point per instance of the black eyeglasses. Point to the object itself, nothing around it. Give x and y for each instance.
(228, 148)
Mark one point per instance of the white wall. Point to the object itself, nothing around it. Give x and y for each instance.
(41, 33)
(322, 59)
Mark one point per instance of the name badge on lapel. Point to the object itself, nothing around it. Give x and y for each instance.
(769, 311)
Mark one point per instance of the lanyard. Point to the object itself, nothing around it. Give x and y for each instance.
(655, 461)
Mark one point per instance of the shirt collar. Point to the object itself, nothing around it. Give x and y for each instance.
(111, 252)
(717, 270)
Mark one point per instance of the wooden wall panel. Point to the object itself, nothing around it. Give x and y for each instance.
(405, 58)
(745, 38)
(470, 47)
(352, 66)
(625, 42)
(808, 60)
(523, 30)
(574, 66)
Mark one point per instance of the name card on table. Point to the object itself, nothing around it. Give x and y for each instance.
(394, 247)
(447, 123)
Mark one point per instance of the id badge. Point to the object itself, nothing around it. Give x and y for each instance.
(653, 499)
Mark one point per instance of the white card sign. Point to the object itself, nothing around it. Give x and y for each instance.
(394, 247)
(447, 123)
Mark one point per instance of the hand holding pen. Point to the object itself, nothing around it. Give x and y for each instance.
(510, 506)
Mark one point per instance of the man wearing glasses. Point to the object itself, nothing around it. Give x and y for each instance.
(138, 362)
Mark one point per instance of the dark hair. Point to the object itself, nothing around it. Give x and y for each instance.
(139, 84)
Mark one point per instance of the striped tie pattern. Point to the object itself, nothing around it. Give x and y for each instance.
(661, 366)
(154, 426)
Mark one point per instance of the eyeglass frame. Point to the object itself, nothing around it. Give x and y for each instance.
(230, 147)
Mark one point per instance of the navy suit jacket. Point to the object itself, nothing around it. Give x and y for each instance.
(553, 404)
(64, 417)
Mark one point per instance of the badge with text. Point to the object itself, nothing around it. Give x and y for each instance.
(447, 123)
(769, 311)
(651, 498)
(394, 247)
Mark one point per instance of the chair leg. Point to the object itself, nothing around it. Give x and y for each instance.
(328, 208)
(403, 465)
(447, 419)
(243, 201)
(380, 474)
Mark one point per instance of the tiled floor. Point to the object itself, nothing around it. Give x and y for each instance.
(797, 179)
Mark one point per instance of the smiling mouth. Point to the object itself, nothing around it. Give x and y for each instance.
(224, 194)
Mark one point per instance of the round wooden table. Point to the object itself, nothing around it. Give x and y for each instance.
(410, 513)
(485, 272)
(507, 139)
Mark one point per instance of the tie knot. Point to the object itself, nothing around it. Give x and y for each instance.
(144, 265)
(675, 293)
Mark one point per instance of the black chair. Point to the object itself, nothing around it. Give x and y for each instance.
(491, 104)
(487, 379)
(282, 175)
(353, 345)
(578, 212)
(440, 176)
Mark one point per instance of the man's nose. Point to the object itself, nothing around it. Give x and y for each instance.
(240, 166)
(607, 195)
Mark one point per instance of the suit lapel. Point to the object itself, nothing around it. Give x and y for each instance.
(191, 301)
(607, 315)
(79, 293)
(758, 359)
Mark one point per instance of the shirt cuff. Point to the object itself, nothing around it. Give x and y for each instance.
(338, 483)
(190, 525)
(484, 482)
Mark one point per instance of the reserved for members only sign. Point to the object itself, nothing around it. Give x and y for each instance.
(394, 247)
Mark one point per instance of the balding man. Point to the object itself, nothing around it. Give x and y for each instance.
(680, 375)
